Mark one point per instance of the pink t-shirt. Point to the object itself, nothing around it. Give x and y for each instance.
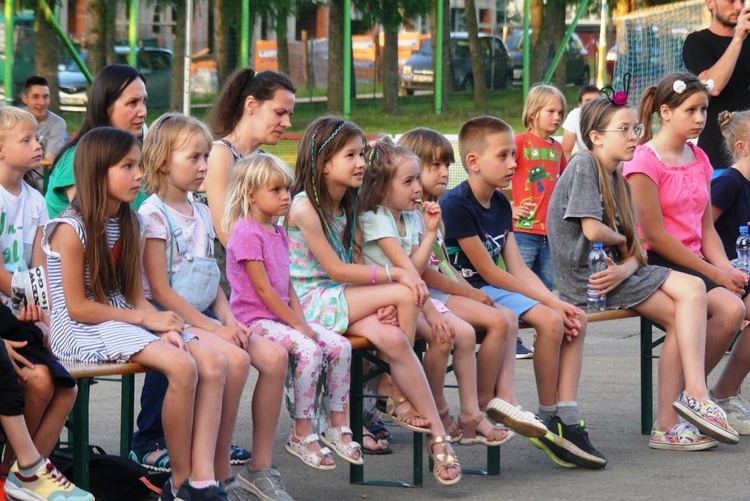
(683, 192)
(251, 242)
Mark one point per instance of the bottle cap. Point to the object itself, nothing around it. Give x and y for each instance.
(599, 245)
(743, 229)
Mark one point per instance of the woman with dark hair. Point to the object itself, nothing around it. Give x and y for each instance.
(117, 99)
(253, 109)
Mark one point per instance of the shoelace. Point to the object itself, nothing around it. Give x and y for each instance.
(57, 476)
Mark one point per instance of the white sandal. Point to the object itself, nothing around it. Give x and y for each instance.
(297, 446)
(332, 438)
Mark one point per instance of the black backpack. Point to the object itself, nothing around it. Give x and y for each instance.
(112, 478)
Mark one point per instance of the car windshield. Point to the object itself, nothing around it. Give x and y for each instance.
(460, 47)
(426, 49)
(514, 41)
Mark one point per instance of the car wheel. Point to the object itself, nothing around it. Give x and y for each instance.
(508, 83)
(468, 84)
(409, 92)
(586, 76)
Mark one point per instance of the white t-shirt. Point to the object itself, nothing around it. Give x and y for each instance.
(572, 124)
(194, 231)
(20, 217)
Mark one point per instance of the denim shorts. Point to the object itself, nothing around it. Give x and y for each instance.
(517, 303)
(535, 252)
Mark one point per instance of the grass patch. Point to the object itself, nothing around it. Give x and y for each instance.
(414, 111)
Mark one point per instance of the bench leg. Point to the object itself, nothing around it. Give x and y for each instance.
(493, 461)
(127, 413)
(647, 381)
(80, 430)
(356, 411)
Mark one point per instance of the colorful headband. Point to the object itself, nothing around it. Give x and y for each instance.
(620, 97)
(325, 143)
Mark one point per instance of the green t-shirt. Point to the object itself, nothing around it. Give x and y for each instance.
(61, 178)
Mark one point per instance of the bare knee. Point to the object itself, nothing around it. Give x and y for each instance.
(39, 384)
(392, 341)
(182, 371)
(277, 360)
(549, 325)
(238, 362)
(213, 368)
(466, 338)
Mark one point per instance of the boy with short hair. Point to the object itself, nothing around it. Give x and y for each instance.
(52, 127)
(571, 126)
(479, 231)
(51, 390)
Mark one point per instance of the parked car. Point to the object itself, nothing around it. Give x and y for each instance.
(417, 72)
(577, 63)
(155, 63)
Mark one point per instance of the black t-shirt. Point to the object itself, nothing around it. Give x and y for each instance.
(730, 192)
(465, 217)
(702, 49)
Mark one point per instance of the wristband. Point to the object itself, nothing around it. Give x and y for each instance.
(388, 272)
(374, 274)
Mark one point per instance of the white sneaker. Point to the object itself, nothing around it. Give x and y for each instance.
(738, 413)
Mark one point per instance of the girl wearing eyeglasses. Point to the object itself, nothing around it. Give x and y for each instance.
(592, 203)
(670, 178)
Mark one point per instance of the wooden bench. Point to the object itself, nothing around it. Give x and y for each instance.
(361, 353)
(78, 421)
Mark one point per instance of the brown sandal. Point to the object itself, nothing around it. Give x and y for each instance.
(405, 418)
(443, 460)
(452, 429)
(472, 436)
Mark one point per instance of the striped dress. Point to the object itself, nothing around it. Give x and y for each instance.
(110, 341)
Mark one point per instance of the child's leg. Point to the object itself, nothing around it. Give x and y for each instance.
(506, 380)
(738, 365)
(571, 361)
(180, 369)
(19, 438)
(53, 421)
(207, 411)
(544, 268)
(270, 359)
(435, 362)
(308, 358)
(238, 367)
(12, 403)
(500, 324)
(547, 355)
(725, 314)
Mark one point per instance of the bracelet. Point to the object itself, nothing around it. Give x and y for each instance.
(388, 272)
(374, 274)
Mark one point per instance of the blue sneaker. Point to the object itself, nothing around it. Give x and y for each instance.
(189, 493)
(522, 352)
(238, 455)
(166, 491)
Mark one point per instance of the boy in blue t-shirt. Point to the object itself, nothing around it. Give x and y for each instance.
(478, 230)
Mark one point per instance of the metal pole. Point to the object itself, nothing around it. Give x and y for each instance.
(52, 20)
(437, 50)
(133, 34)
(245, 35)
(347, 58)
(8, 68)
(526, 46)
(188, 59)
(564, 43)
(601, 56)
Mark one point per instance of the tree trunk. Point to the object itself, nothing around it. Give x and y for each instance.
(46, 59)
(480, 99)
(335, 56)
(539, 44)
(556, 13)
(282, 37)
(178, 68)
(390, 62)
(227, 37)
(96, 45)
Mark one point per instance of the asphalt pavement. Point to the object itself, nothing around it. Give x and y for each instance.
(609, 399)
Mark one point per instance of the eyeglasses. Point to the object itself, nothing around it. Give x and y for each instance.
(627, 130)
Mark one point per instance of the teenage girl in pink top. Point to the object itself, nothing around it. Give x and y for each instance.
(670, 178)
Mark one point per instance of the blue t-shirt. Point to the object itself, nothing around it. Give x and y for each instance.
(730, 192)
(465, 217)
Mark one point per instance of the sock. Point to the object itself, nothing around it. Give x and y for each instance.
(30, 470)
(202, 484)
(547, 411)
(568, 413)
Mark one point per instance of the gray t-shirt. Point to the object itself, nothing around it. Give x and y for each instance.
(51, 133)
(577, 196)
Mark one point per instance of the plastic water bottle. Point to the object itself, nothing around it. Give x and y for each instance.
(597, 263)
(743, 249)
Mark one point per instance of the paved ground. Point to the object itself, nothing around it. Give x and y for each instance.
(609, 399)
